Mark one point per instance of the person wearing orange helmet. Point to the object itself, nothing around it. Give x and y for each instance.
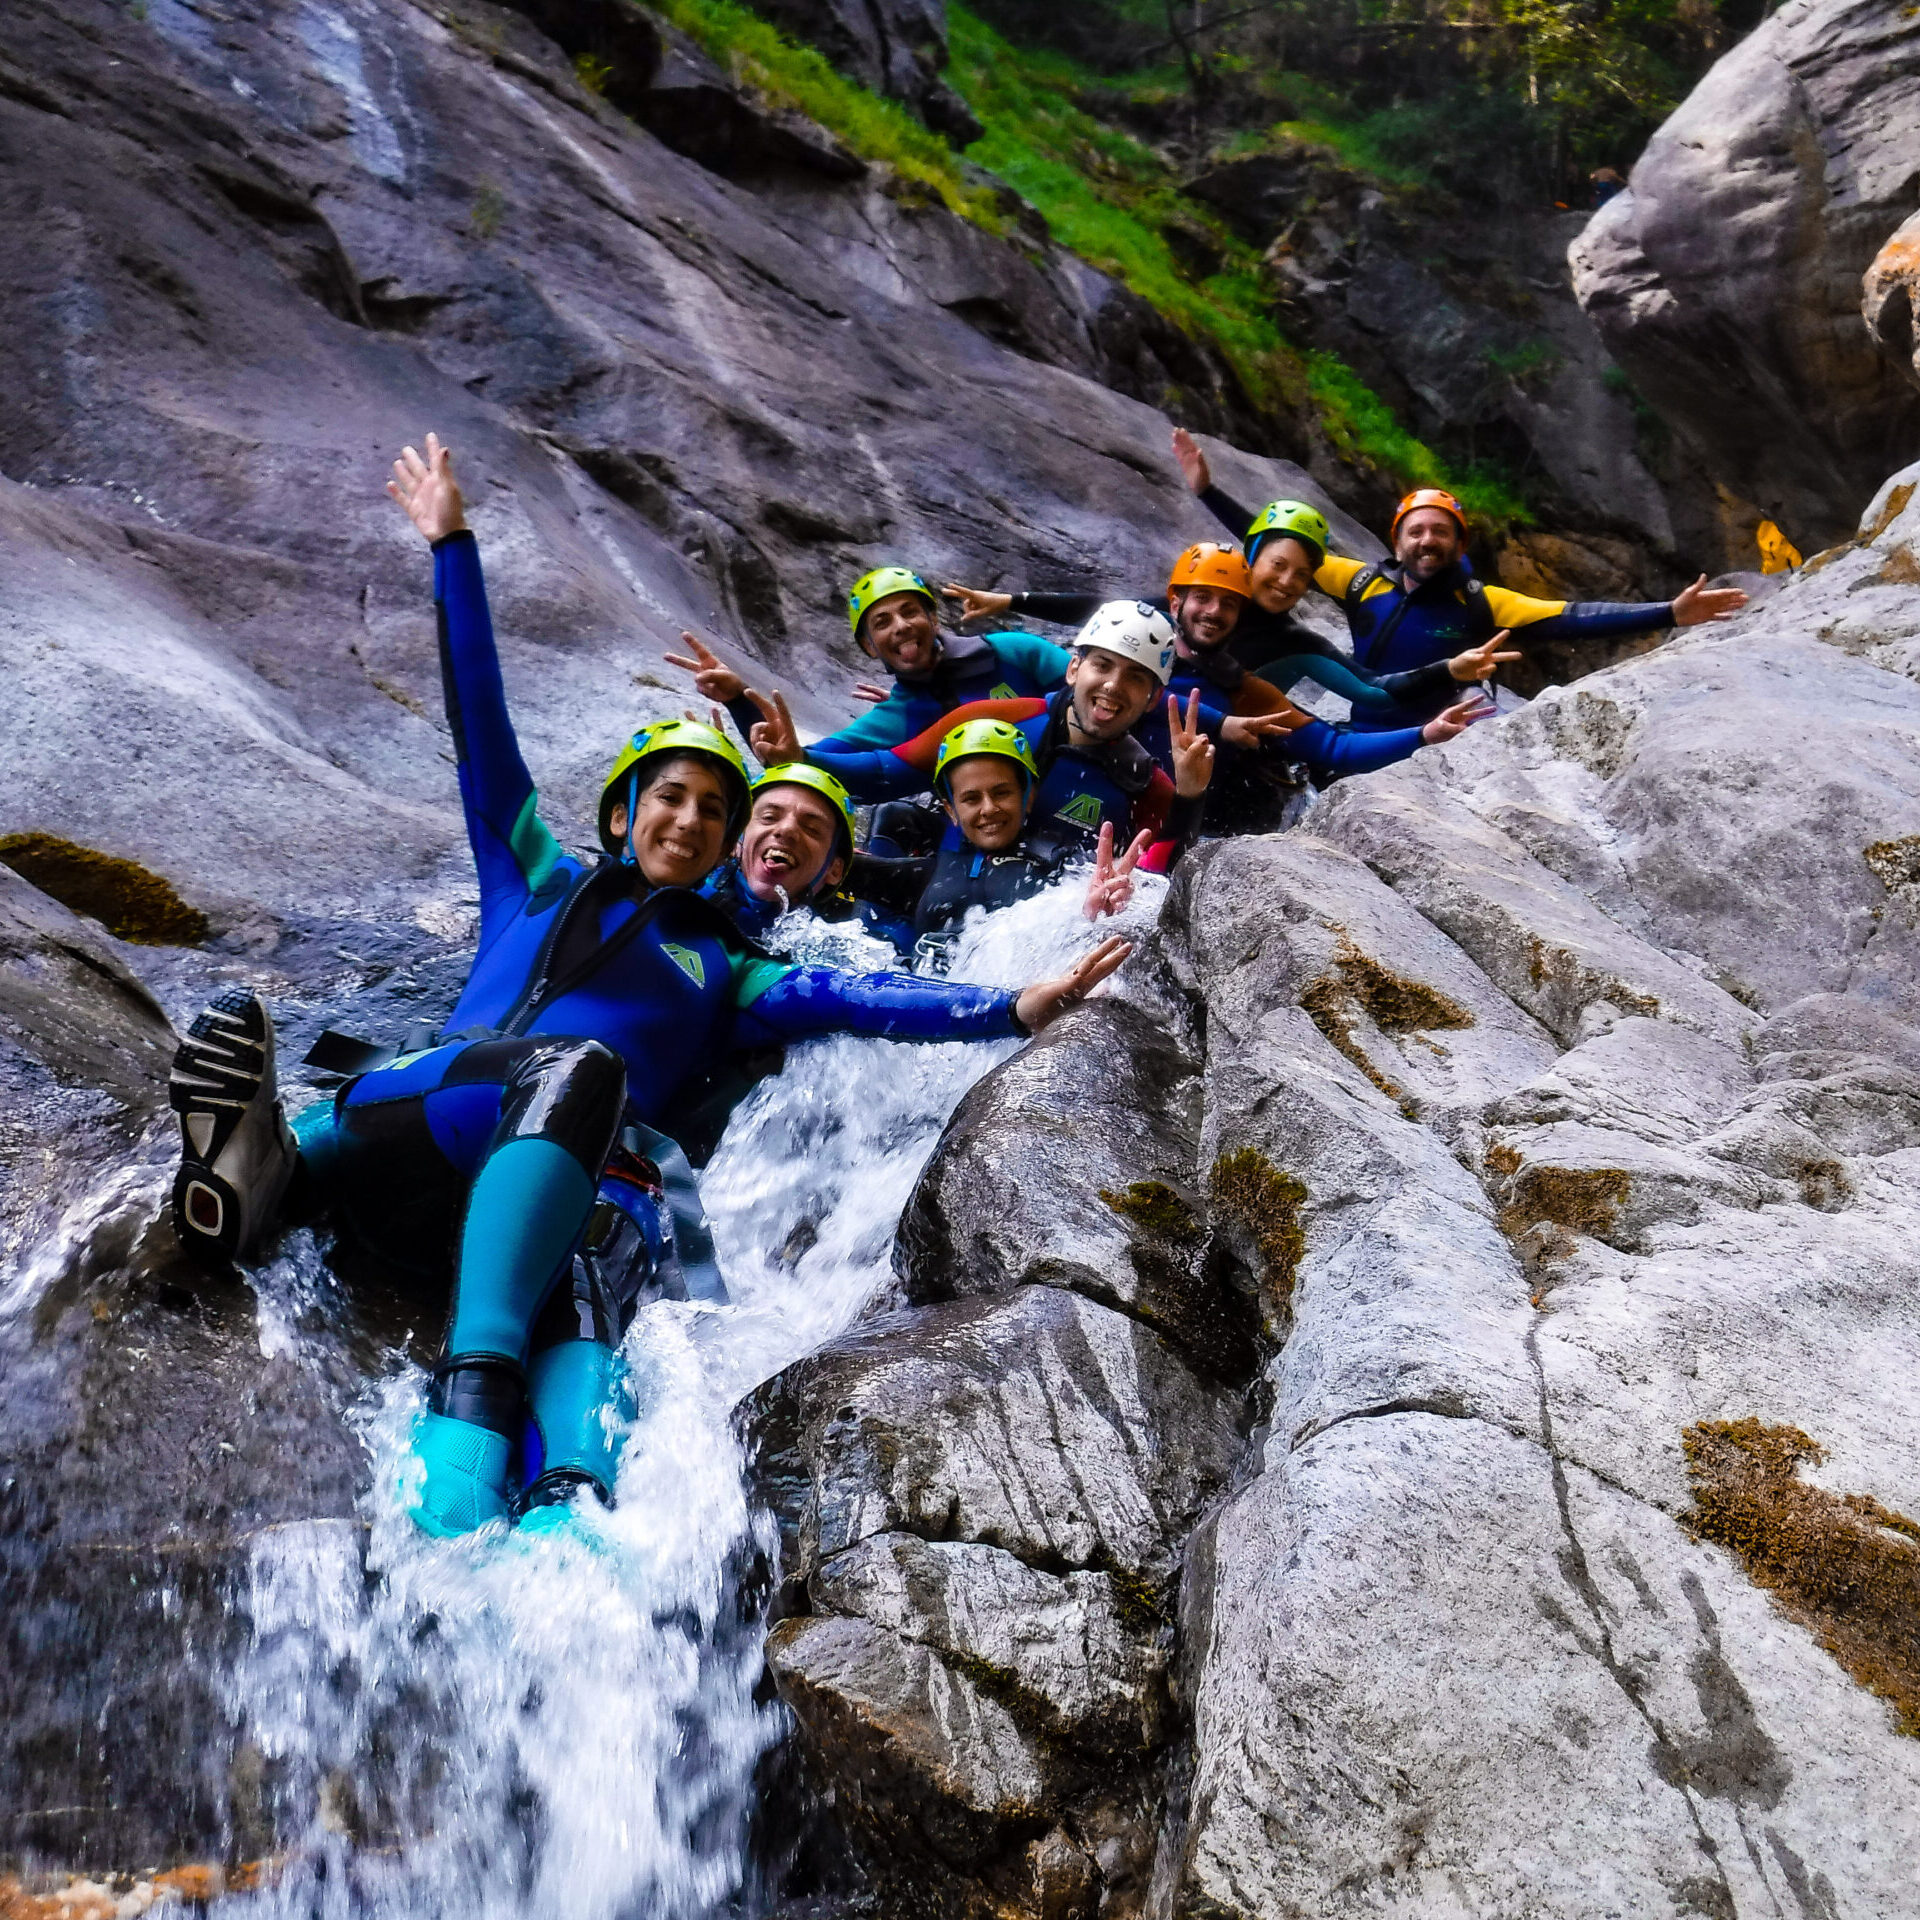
(1426, 604)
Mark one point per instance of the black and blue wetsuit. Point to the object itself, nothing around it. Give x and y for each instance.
(1400, 626)
(1276, 646)
(592, 1001)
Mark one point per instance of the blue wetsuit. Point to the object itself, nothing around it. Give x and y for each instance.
(1400, 626)
(592, 1000)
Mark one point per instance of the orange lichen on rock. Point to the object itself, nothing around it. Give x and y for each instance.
(1841, 1565)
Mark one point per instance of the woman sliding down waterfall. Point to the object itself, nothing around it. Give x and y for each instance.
(598, 994)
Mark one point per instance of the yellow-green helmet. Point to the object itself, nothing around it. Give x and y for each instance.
(675, 736)
(796, 773)
(983, 736)
(1296, 520)
(877, 585)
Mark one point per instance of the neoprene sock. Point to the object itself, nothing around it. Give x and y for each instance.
(526, 1208)
(316, 1171)
(572, 1389)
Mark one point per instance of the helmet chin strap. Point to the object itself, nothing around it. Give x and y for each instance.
(627, 856)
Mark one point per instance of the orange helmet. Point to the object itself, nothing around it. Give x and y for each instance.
(1427, 497)
(1212, 564)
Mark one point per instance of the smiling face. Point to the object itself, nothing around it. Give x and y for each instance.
(791, 846)
(1109, 693)
(987, 800)
(1282, 572)
(1428, 542)
(902, 634)
(1205, 615)
(679, 828)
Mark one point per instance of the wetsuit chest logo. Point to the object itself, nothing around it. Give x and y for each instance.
(1002, 692)
(687, 961)
(1083, 810)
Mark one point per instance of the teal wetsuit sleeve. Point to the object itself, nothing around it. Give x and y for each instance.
(885, 724)
(1375, 692)
(1040, 660)
(779, 1003)
(512, 849)
(869, 773)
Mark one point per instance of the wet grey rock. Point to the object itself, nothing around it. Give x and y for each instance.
(1727, 279)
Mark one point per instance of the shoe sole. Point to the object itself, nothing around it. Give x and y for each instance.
(217, 1072)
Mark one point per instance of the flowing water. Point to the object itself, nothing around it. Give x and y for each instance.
(566, 1724)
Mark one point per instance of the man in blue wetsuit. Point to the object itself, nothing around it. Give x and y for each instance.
(597, 990)
(895, 620)
(1426, 604)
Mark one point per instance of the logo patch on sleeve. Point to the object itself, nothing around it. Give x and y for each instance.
(1083, 810)
(687, 961)
(1002, 692)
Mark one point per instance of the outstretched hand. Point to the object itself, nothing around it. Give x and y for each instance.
(775, 740)
(975, 602)
(1457, 719)
(1192, 750)
(711, 679)
(1193, 463)
(1478, 663)
(1247, 730)
(1700, 603)
(428, 491)
(1111, 887)
(1047, 1000)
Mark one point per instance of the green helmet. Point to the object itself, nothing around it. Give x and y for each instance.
(973, 737)
(877, 585)
(1297, 521)
(675, 736)
(796, 773)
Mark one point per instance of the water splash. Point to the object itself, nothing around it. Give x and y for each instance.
(563, 1726)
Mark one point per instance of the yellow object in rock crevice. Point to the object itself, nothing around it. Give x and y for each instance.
(1778, 554)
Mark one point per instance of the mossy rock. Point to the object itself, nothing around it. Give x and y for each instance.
(131, 903)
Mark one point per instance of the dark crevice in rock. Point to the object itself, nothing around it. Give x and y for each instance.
(1666, 1757)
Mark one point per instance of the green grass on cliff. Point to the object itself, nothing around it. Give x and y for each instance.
(758, 55)
(1105, 196)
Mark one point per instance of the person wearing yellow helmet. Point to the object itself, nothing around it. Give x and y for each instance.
(985, 778)
(794, 851)
(1425, 606)
(895, 620)
(526, 1133)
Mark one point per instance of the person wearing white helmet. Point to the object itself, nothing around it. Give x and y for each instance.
(1093, 770)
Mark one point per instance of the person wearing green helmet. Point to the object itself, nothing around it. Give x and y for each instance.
(895, 619)
(525, 1131)
(794, 850)
(1425, 606)
(984, 778)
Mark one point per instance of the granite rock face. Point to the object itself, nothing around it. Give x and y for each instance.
(1727, 279)
(1544, 1114)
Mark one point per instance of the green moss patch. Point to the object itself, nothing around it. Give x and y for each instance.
(1154, 1207)
(130, 902)
(1580, 1199)
(1395, 1003)
(1247, 1187)
(1841, 1565)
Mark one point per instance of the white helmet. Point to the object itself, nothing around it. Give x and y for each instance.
(1136, 632)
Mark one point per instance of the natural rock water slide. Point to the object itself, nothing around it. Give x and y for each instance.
(1406, 1407)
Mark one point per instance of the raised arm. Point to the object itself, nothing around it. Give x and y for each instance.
(512, 849)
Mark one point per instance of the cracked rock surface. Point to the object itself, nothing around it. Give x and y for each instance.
(1575, 1065)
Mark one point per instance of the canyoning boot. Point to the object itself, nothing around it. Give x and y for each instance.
(581, 1405)
(237, 1152)
(464, 1442)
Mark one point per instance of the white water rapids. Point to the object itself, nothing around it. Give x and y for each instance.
(565, 1726)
